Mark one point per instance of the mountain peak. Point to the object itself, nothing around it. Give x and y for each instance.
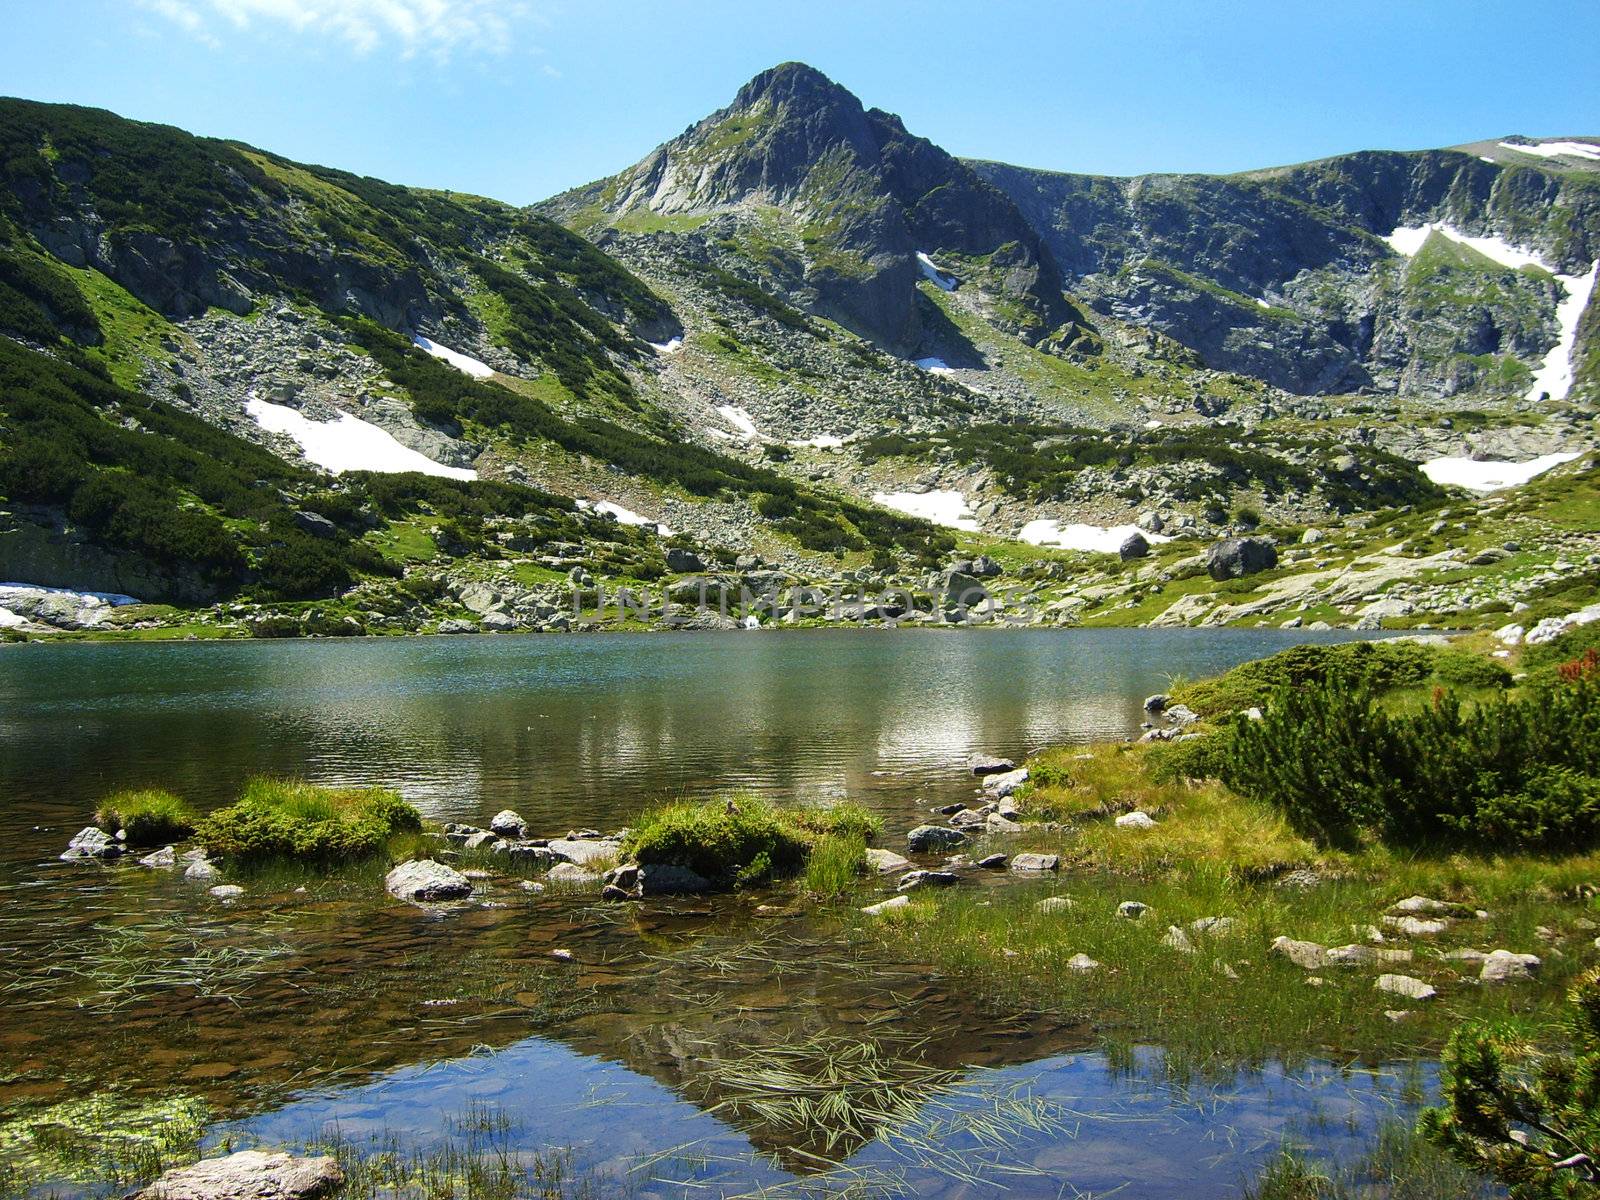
(792, 82)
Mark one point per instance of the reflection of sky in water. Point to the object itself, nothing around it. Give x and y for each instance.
(1104, 1130)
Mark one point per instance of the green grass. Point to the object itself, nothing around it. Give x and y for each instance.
(278, 819)
(149, 817)
(1400, 1166)
(743, 839)
(835, 865)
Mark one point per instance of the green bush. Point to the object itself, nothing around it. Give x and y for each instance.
(1382, 666)
(1530, 1121)
(743, 839)
(1505, 772)
(288, 819)
(1466, 669)
(149, 817)
(1203, 757)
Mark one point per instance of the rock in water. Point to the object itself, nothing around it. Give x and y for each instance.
(91, 842)
(1234, 558)
(928, 839)
(508, 823)
(885, 861)
(988, 764)
(884, 906)
(248, 1175)
(424, 881)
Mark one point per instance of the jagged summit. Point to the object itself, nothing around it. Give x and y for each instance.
(835, 202)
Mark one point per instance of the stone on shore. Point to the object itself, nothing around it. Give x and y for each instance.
(1006, 782)
(1506, 966)
(509, 824)
(912, 880)
(1032, 863)
(885, 906)
(1405, 985)
(424, 881)
(248, 1175)
(885, 861)
(988, 764)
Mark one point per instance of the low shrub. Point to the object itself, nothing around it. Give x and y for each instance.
(288, 819)
(1522, 772)
(1204, 757)
(149, 817)
(1382, 666)
(1466, 669)
(742, 839)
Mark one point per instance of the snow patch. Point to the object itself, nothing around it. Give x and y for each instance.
(1096, 538)
(347, 443)
(10, 620)
(740, 420)
(461, 362)
(942, 508)
(1557, 149)
(1490, 476)
(823, 441)
(623, 516)
(10, 588)
(936, 366)
(670, 346)
(932, 271)
(1554, 376)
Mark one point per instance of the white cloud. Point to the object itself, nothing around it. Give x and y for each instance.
(409, 27)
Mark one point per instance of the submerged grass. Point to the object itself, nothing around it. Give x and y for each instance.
(1225, 1000)
(1400, 1166)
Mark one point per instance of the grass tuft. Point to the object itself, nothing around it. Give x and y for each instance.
(277, 819)
(149, 817)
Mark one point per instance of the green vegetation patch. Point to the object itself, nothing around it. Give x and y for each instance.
(744, 839)
(301, 822)
(149, 817)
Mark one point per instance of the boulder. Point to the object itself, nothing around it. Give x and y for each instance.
(884, 906)
(1405, 985)
(1417, 926)
(1034, 863)
(1006, 782)
(1136, 820)
(1309, 955)
(1000, 823)
(668, 879)
(480, 840)
(1056, 904)
(424, 881)
(582, 851)
(930, 839)
(1212, 926)
(508, 824)
(162, 859)
(248, 1175)
(566, 872)
(200, 871)
(1176, 939)
(1234, 558)
(680, 561)
(316, 524)
(1082, 964)
(1132, 910)
(92, 842)
(994, 862)
(885, 861)
(1506, 966)
(227, 891)
(457, 625)
(912, 880)
(1133, 546)
(988, 764)
(1157, 703)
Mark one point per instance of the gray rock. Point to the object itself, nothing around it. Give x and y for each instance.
(1133, 546)
(508, 824)
(424, 881)
(456, 625)
(498, 622)
(162, 859)
(1157, 703)
(885, 906)
(1417, 926)
(1136, 820)
(1176, 939)
(929, 839)
(1506, 966)
(1056, 904)
(1132, 910)
(248, 1175)
(92, 842)
(566, 872)
(227, 891)
(582, 851)
(680, 561)
(994, 862)
(987, 764)
(1082, 964)
(668, 879)
(885, 861)
(1309, 955)
(1212, 926)
(1405, 985)
(1000, 823)
(480, 840)
(201, 870)
(1035, 863)
(912, 880)
(316, 524)
(1234, 558)
(1006, 782)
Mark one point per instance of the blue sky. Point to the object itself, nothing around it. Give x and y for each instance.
(518, 99)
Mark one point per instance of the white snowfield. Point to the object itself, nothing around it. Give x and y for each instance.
(942, 508)
(1558, 149)
(1554, 376)
(932, 271)
(740, 419)
(670, 346)
(823, 441)
(461, 362)
(624, 516)
(1095, 538)
(92, 606)
(1490, 476)
(347, 443)
(936, 366)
